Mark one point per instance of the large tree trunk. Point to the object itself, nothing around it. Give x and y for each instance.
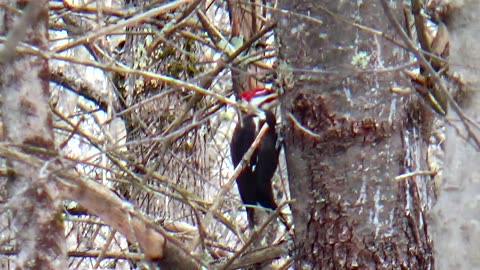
(348, 137)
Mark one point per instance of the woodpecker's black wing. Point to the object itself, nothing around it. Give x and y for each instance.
(243, 137)
(265, 165)
(254, 182)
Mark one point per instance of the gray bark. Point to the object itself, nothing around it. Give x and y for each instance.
(33, 199)
(348, 137)
(456, 226)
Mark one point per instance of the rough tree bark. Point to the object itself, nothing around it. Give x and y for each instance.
(33, 199)
(348, 137)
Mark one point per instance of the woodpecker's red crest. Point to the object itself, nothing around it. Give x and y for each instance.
(260, 98)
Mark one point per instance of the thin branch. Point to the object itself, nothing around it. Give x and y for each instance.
(79, 87)
(155, 242)
(253, 237)
(412, 174)
(66, 6)
(122, 24)
(217, 202)
(425, 64)
(299, 126)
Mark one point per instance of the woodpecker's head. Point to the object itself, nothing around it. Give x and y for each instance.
(260, 99)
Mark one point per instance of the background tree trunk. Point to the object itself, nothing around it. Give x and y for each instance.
(456, 227)
(348, 137)
(33, 198)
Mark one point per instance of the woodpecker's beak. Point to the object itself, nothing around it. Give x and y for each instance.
(271, 101)
(265, 102)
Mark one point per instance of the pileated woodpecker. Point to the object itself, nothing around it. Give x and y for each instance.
(254, 182)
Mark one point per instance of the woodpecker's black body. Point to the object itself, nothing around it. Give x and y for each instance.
(254, 182)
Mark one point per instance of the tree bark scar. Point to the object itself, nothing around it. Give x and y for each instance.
(314, 116)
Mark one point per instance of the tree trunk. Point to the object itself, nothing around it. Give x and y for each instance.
(347, 138)
(33, 199)
(456, 228)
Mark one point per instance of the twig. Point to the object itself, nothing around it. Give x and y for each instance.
(254, 236)
(412, 174)
(225, 188)
(302, 128)
(122, 24)
(155, 241)
(425, 64)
